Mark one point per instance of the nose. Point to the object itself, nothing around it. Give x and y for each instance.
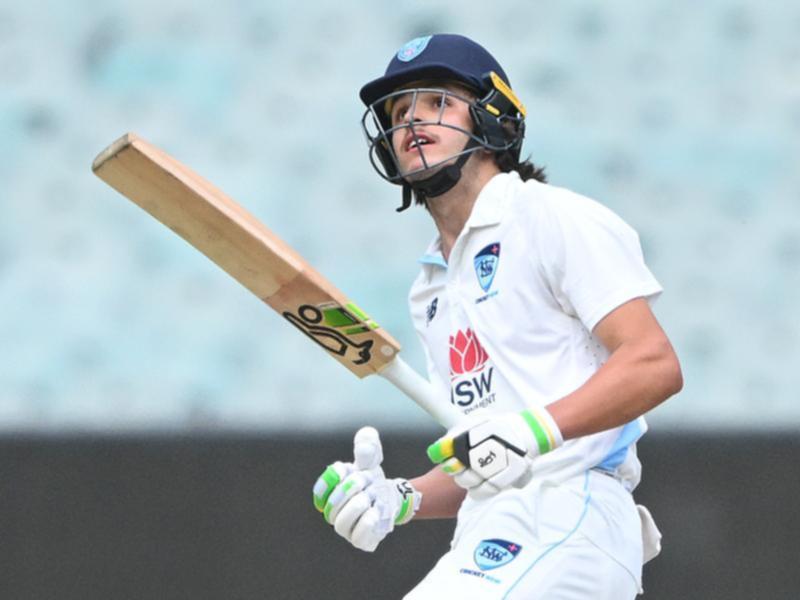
(410, 115)
(416, 110)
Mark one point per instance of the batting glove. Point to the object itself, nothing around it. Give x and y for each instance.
(359, 501)
(496, 453)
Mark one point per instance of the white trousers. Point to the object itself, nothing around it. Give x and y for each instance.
(576, 540)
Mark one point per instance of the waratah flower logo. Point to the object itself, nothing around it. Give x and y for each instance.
(466, 353)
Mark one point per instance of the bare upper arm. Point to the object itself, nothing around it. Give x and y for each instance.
(632, 321)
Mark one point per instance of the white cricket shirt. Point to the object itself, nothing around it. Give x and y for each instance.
(506, 323)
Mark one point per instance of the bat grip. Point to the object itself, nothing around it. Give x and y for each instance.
(408, 381)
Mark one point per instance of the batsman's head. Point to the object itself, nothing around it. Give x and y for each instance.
(442, 98)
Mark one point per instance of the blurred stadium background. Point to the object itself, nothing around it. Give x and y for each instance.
(149, 405)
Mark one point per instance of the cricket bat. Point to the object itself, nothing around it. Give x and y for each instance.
(243, 247)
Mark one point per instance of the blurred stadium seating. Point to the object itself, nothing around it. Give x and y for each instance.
(683, 117)
(148, 403)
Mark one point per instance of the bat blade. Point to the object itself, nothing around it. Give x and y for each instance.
(258, 259)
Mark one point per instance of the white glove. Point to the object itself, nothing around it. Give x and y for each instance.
(493, 453)
(357, 499)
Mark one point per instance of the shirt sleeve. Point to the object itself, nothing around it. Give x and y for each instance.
(591, 258)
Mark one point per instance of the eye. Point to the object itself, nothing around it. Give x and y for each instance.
(400, 110)
(442, 101)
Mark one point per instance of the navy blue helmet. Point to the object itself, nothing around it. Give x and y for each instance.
(497, 114)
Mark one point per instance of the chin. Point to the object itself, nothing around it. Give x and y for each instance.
(417, 172)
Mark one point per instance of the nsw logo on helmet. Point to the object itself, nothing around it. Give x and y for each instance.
(413, 49)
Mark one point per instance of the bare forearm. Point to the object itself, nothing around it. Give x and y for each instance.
(636, 378)
(441, 497)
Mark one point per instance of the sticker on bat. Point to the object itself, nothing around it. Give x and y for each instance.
(329, 325)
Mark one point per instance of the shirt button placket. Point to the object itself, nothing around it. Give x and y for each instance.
(458, 318)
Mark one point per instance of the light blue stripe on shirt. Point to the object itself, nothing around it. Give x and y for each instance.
(616, 456)
(551, 547)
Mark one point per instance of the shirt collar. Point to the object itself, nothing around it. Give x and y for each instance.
(492, 201)
(435, 258)
(433, 254)
(489, 208)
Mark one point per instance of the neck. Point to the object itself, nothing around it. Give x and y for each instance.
(451, 210)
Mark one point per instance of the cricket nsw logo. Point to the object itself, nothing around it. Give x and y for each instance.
(470, 371)
(486, 262)
(491, 554)
(413, 49)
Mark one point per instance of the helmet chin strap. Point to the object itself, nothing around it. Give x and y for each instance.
(440, 182)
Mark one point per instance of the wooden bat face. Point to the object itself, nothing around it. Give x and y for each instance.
(241, 245)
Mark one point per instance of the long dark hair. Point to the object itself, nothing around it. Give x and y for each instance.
(508, 160)
(526, 169)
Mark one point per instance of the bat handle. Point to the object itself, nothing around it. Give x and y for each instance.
(408, 381)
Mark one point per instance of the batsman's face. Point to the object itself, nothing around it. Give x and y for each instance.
(432, 129)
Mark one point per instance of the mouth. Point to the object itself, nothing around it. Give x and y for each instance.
(414, 142)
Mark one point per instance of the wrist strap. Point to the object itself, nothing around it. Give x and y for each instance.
(545, 431)
(409, 505)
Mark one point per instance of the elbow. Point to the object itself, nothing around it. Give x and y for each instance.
(675, 380)
(671, 373)
(664, 376)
